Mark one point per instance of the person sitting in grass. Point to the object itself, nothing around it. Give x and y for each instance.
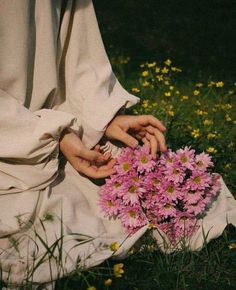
(58, 98)
(60, 116)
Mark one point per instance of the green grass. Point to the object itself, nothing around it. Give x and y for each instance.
(207, 122)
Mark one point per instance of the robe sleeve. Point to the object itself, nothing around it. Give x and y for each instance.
(29, 145)
(92, 88)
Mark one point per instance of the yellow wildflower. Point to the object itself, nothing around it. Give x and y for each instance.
(207, 122)
(211, 83)
(135, 90)
(177, 92)
(175, 69)
(200, 112)
(151, 64)
(211, 150)
(230, 92)
(226, 106)
(227, 165)
(232, 246)
(151, 226)
(142, 65)
(165, 70)
(171, 88)
(167, 83)
(228, 118)
(219, 84)
(199, 85)
(184, 98)
(145, 73)
(234, 122)
(198, 103)
(157, 70)
(118, 270)
(159, 77)
(195, 133)
(167, 94)
(171, 113)
(168, 62)
(211, 136)
(108, 282)
(91, 288)
(196, 92)
(146, 84)
(114, 246)
(145, 103)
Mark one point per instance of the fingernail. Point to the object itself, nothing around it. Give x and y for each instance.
(134, 144)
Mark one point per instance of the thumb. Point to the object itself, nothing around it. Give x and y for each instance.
(126, 138)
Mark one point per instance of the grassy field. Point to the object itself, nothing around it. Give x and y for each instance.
(199, 113)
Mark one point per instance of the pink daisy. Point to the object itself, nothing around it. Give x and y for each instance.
(192, 196)
(153, 180)
(203, 161)
(109, 205)
(198, 181)
(186, 157)
(168, 158)
(125, 161)
(175, 173)
(196, 208)
(170, 192)
(185, 225)
(133, 217)
(167, 209)
(131, 193)
(143, 160)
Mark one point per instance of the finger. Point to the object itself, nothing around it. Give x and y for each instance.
(97, 173)
(159, 136)
(90, 155)
(126, 138)
(153, 144)
(146, 120)
(146, 142)
(97, 148)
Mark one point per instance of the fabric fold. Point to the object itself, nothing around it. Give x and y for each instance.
(29, 145)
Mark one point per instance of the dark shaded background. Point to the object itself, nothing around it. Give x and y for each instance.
(197, 35)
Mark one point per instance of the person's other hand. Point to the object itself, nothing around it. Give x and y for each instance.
(91, 163)
(129, 129)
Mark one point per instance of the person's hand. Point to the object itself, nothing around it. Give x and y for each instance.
(91, 163)
(129, 129)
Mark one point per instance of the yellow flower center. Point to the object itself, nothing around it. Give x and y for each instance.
(132, 189)
(197, 179)
(117, 184)
(126, 166)
(184, 159)
(175, 171)
(144, 159)
(170, 189)
(110, 203)
(200, 163)
(155, 180)
(132, 213)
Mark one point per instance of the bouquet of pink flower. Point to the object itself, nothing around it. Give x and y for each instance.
(171, 193)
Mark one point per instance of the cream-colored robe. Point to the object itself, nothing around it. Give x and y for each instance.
(54, 73)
